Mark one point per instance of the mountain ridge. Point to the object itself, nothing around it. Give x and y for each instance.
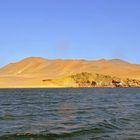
(34, 69)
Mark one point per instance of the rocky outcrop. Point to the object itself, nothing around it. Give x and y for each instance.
(86, 79)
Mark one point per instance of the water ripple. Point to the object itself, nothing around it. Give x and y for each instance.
(69, 114)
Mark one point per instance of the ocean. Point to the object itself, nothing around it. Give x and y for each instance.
(70, 114)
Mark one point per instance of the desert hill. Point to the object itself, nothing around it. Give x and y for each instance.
(33, 70)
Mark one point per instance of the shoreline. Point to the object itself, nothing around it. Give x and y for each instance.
(68, 87)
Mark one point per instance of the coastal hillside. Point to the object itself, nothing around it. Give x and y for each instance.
(37, 67)
(41, 72)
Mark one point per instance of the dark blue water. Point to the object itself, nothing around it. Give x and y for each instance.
(70, 114)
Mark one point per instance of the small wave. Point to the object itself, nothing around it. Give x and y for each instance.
(50, 136)
(108, 125)
(98, 129)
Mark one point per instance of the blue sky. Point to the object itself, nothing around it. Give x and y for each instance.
(69, 29)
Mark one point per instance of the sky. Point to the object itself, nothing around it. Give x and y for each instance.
(69, 29)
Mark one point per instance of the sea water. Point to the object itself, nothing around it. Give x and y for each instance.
(70, 114)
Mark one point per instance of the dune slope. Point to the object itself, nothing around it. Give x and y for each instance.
(31, 71)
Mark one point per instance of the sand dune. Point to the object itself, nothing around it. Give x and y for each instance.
(32, 70)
